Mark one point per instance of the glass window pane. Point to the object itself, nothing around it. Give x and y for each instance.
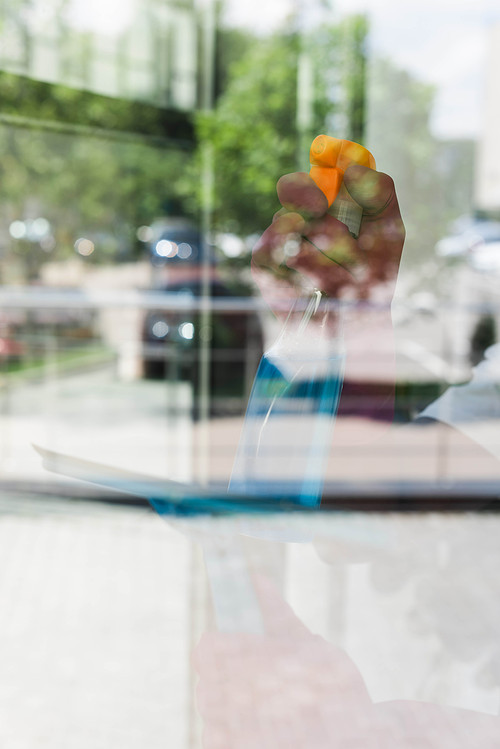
(242, 406)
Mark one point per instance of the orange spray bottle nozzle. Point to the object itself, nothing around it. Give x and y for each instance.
(329, 159)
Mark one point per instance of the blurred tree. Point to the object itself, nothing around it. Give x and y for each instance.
(37, 101)
(64, 157)
(253, 134)
(230, 46)
(353, 33)
(85, 186)
(75, 158)
(253, 127)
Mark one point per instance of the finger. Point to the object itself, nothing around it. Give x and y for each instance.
(374, 191)
(298, 192)
(279, 618)
(382, 230)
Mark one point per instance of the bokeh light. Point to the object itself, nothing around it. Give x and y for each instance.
(160, 329)
(84, 246)
(164, 248)
(144, 234)
(186, 330)
(17, 229)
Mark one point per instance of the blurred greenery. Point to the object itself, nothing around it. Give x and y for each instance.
(24, 97)
(78, 159)
(33, 367)
(99, 167)
(352, 36)
(253, 132)
(254, 138)
(92, 187)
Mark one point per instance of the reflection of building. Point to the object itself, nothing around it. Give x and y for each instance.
(143, 50)
(488, 163)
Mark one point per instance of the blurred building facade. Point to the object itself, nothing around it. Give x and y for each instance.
(488, 157)
(143, 51)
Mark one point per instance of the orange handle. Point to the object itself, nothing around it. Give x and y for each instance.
(329, 159)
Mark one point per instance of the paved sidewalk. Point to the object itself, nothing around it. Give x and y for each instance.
(101, 607)
(94, 627)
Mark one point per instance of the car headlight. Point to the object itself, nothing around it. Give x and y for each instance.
(186, 330)
(160, 329)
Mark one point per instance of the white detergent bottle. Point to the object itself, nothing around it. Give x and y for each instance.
(288, 427)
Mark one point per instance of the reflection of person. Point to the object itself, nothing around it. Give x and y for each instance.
(290, 689)
(336, 262)
(474, 408)
(307, 247)
(305, 242)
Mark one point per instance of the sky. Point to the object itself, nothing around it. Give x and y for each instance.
(443, 42)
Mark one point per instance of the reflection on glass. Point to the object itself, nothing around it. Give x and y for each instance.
(377, 629)
(132, 50)
(408, 652)
(186, 330)
(84, 247)
(160, 329)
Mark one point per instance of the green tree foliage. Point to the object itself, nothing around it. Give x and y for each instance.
(230, 46)
(78, 159)
(64, 156)
(353, 33)
(252, 131)
(23, 97)
(86, 186)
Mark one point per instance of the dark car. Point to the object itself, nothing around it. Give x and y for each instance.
(177, 243)
(172, 340)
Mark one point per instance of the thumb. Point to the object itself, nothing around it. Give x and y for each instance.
(374, 191)
(278, 616)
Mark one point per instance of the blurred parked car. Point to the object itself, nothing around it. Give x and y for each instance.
(175, 242)
(484, 255)
(171, 345)
(478, 242)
